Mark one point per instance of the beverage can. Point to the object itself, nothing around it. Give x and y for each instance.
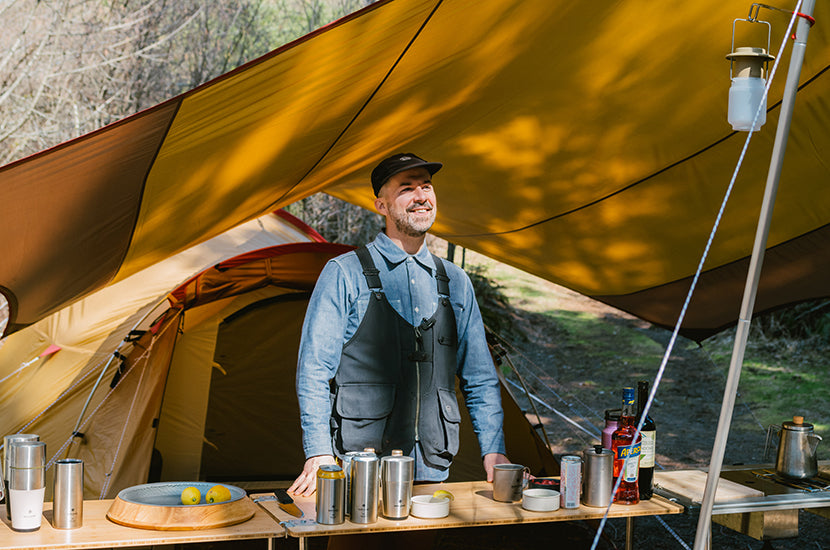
(331, 490)
(570, 481)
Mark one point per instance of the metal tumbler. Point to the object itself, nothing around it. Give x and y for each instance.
(7, 440)
(397, 472)
(27, 483)
(68, 501)
(364, 489)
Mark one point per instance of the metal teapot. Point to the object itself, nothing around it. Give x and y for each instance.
(796, 449)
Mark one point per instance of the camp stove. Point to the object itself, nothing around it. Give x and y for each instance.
(810, 485)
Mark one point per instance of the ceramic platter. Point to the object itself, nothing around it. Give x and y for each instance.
(159, 506)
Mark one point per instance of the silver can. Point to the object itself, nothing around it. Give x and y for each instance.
(364, 488)
(331, 491)
(397, 472)
(570, 481)
(598, 480)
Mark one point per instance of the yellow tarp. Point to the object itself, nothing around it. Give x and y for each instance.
(584, 143)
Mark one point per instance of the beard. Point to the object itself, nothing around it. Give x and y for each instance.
(411, 224)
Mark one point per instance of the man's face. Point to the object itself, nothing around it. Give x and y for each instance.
(408, 202)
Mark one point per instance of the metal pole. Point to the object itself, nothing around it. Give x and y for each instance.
(742, 332)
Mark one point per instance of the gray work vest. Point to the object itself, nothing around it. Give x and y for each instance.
(396, 382)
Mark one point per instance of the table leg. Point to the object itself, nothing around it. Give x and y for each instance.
(302, 542)
(629, 533)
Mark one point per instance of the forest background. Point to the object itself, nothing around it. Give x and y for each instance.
(68, 67)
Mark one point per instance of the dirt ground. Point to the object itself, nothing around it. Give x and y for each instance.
(578, 370)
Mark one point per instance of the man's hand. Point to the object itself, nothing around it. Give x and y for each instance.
(306, 482)
(490, 460)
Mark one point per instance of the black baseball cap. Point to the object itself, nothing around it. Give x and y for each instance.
(395, 164)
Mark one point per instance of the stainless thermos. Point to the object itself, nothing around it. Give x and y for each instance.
(68, 494)
(7, 440)
(598, 480)
(27, 483)
(331, 492)
(363, 505)
(397, 472)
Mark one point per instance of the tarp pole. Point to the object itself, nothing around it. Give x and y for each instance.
(704, 523)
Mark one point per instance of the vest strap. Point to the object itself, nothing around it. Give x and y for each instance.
(369, 269)
(441, 277)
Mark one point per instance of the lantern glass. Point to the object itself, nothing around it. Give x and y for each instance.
(745, 95)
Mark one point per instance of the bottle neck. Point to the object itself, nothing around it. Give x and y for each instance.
(642, 397)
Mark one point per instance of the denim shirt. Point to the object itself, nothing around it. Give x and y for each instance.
(336, 309)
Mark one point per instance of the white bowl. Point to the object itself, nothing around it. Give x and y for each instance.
(540, 500)
(428, 506)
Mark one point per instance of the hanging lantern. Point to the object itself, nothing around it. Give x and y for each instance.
(747, 90)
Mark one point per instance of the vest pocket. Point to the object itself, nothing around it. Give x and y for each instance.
(451, 420)
(364, 410)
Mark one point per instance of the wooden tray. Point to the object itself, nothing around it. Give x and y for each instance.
(158, 506)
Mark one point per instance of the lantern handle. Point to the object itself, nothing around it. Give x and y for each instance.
(751, 20)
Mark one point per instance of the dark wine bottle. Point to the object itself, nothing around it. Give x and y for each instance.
(649, 432)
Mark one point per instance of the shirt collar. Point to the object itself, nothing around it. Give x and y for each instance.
(395, 254)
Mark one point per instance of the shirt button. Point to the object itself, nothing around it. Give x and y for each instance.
(416, 309)
(412, 281)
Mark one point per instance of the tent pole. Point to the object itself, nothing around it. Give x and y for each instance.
(702, 536)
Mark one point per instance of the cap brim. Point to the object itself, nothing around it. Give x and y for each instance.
(431, 167)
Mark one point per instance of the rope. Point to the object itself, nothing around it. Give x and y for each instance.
(108, 475)
(561, 415)
(658, 378)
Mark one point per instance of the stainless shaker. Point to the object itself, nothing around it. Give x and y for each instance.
(68, 501)
(397, 472)
(364, 488)
(27, 483)
(7, 440)
(598, 480)
(331, 491)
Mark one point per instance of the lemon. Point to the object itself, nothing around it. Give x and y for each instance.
(441, 493)
(191, 495)
(218, 493)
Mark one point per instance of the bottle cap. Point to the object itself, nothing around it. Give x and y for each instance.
(397, 452)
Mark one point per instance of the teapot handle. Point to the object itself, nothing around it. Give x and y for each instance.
(772, 428)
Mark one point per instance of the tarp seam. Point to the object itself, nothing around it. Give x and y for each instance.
(365, 104)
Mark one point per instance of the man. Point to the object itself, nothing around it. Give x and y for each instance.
(388, 329)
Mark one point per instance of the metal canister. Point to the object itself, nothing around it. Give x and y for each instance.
(570, 481)
(364, 488)
(346, 464)
(397, 472)
(331, 491)
(598, 481)
(7, 441)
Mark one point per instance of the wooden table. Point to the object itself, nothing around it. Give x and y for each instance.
(99, 532)
(473, 506)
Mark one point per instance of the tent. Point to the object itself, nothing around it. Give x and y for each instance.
(586, 145)
(201, 382)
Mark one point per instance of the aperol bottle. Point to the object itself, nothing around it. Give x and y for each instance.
(627, 451)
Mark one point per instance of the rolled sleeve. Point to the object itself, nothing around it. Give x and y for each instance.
(477, 375)
(319, 356)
